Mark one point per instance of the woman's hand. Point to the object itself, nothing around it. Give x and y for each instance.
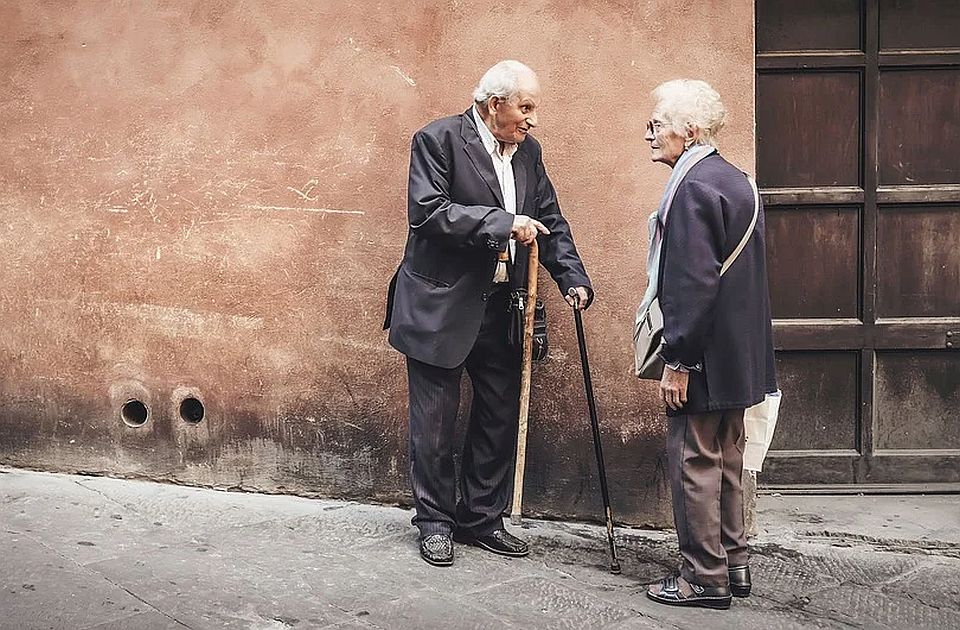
(673, 388)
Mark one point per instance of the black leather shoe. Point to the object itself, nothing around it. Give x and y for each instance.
(499, 541)
(740, 581)
(676, 591)
(437, 549)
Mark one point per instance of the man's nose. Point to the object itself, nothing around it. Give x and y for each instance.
(532, 119)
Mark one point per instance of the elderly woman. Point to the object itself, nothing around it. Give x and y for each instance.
(707, 271)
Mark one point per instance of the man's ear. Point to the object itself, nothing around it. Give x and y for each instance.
(492, 103)
(690, 136)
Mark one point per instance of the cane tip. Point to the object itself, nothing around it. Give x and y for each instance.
(516, 519)
(615, 568)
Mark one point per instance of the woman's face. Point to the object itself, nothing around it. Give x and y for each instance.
(666, 145)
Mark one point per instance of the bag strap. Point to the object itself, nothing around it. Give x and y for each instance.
(753, 223)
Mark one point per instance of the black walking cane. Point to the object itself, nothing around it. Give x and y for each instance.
(595, 426)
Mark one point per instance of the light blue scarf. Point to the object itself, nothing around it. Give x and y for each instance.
(687, 160)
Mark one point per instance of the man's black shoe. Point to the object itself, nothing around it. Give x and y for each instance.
(437, 549)
(740, 580)
(676, 591)
(499, 541)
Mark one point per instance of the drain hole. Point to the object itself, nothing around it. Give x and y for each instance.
(134, 413)
(191, 410)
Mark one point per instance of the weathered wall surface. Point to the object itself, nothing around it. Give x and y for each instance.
(206, 199)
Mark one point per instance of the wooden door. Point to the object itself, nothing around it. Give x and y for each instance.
(858, 158)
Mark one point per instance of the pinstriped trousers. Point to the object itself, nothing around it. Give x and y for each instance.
(490, 443)
(705, 458)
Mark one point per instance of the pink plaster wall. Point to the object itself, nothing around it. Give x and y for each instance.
(208, 198)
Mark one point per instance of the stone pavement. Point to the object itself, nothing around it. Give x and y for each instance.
(83, 553)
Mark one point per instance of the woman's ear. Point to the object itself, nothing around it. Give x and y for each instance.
(690, 136)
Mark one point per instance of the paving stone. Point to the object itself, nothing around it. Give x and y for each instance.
(41, 589)
(174, 506)
(772, 575)
(432, 610)
(141, 621)
(217, 591)
(935, 585)
(637, 623)
(359, 526)
(539, 603)
(857, 566)
(870, 606)
(748, 614)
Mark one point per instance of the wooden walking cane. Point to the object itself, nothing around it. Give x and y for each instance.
(516, 512)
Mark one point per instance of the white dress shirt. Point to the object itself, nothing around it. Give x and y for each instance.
(502, 156)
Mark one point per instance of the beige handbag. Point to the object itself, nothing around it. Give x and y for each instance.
(648, 326)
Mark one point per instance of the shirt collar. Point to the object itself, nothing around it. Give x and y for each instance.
(490, 143)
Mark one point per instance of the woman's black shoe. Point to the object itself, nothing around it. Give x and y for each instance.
(676, 591)
(437, 549)
(740, 580)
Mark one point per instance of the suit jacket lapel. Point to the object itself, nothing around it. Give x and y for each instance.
(520, 178)
(478, 155)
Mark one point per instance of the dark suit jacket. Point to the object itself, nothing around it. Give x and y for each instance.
(435, 303)
(721, 323)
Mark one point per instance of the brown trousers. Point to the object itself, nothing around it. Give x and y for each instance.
(705, 456)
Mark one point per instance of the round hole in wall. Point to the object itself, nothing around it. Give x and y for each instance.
(191, 410)
(134, 413)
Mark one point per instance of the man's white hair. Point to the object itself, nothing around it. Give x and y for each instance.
(690, 104)
(502, 80)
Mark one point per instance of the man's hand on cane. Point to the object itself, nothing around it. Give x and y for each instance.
(526, 229)
(578, 298)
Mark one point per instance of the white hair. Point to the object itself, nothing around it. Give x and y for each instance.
(502, 80)
(690, 104)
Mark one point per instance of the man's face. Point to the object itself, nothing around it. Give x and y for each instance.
(511, 120)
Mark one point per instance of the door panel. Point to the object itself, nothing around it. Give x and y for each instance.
(808, 133)
(919, 24)
(918, 395)
(788, 25)
(920, 126)
(919, 261)
(830, 381)
(827, 240)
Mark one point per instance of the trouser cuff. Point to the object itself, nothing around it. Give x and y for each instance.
(430, 528)
(705, 580)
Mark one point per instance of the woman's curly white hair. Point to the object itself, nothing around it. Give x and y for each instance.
(690, 104)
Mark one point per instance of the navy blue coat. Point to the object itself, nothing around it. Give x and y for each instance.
(721, 323)
(435, 302)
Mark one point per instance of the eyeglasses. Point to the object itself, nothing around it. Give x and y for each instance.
(655, 126)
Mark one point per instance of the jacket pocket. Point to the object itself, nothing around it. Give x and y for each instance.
(432, 281)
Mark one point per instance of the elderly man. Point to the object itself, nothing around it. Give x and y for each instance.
(478, 194)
